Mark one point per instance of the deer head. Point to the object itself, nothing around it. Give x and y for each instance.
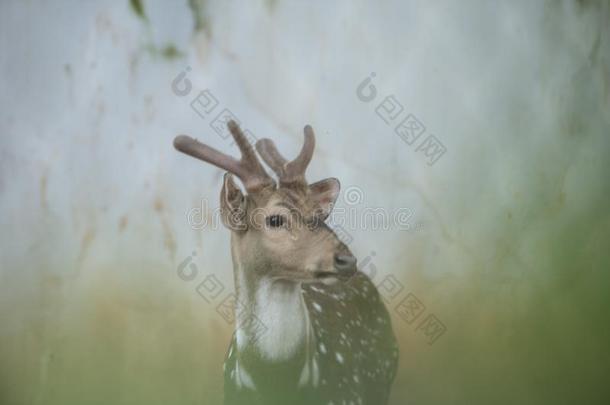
(278, 228)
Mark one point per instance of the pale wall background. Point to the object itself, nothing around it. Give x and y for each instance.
(510, 228)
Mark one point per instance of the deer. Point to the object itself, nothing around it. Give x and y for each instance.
(310, 327)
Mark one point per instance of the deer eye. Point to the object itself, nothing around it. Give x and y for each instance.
(275, 221)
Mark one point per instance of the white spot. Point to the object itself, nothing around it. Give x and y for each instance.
(240, 338)
(322, 348)
(317, 307)
(316, 372)
(243, 378)
(339, 357)
(304, 379)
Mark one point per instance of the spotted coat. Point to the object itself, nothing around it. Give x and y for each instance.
(350, 356)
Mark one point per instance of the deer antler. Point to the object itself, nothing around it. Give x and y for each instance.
(293, 171)
(248, 168)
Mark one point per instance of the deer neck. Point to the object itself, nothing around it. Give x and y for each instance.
(272, 321)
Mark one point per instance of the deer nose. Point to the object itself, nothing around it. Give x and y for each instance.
(345, 264)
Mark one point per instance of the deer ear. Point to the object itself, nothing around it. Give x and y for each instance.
(325, 193)
(232, 205)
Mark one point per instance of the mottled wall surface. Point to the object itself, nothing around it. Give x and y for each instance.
(507, 234)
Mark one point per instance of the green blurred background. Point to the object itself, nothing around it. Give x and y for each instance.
(508, 240)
